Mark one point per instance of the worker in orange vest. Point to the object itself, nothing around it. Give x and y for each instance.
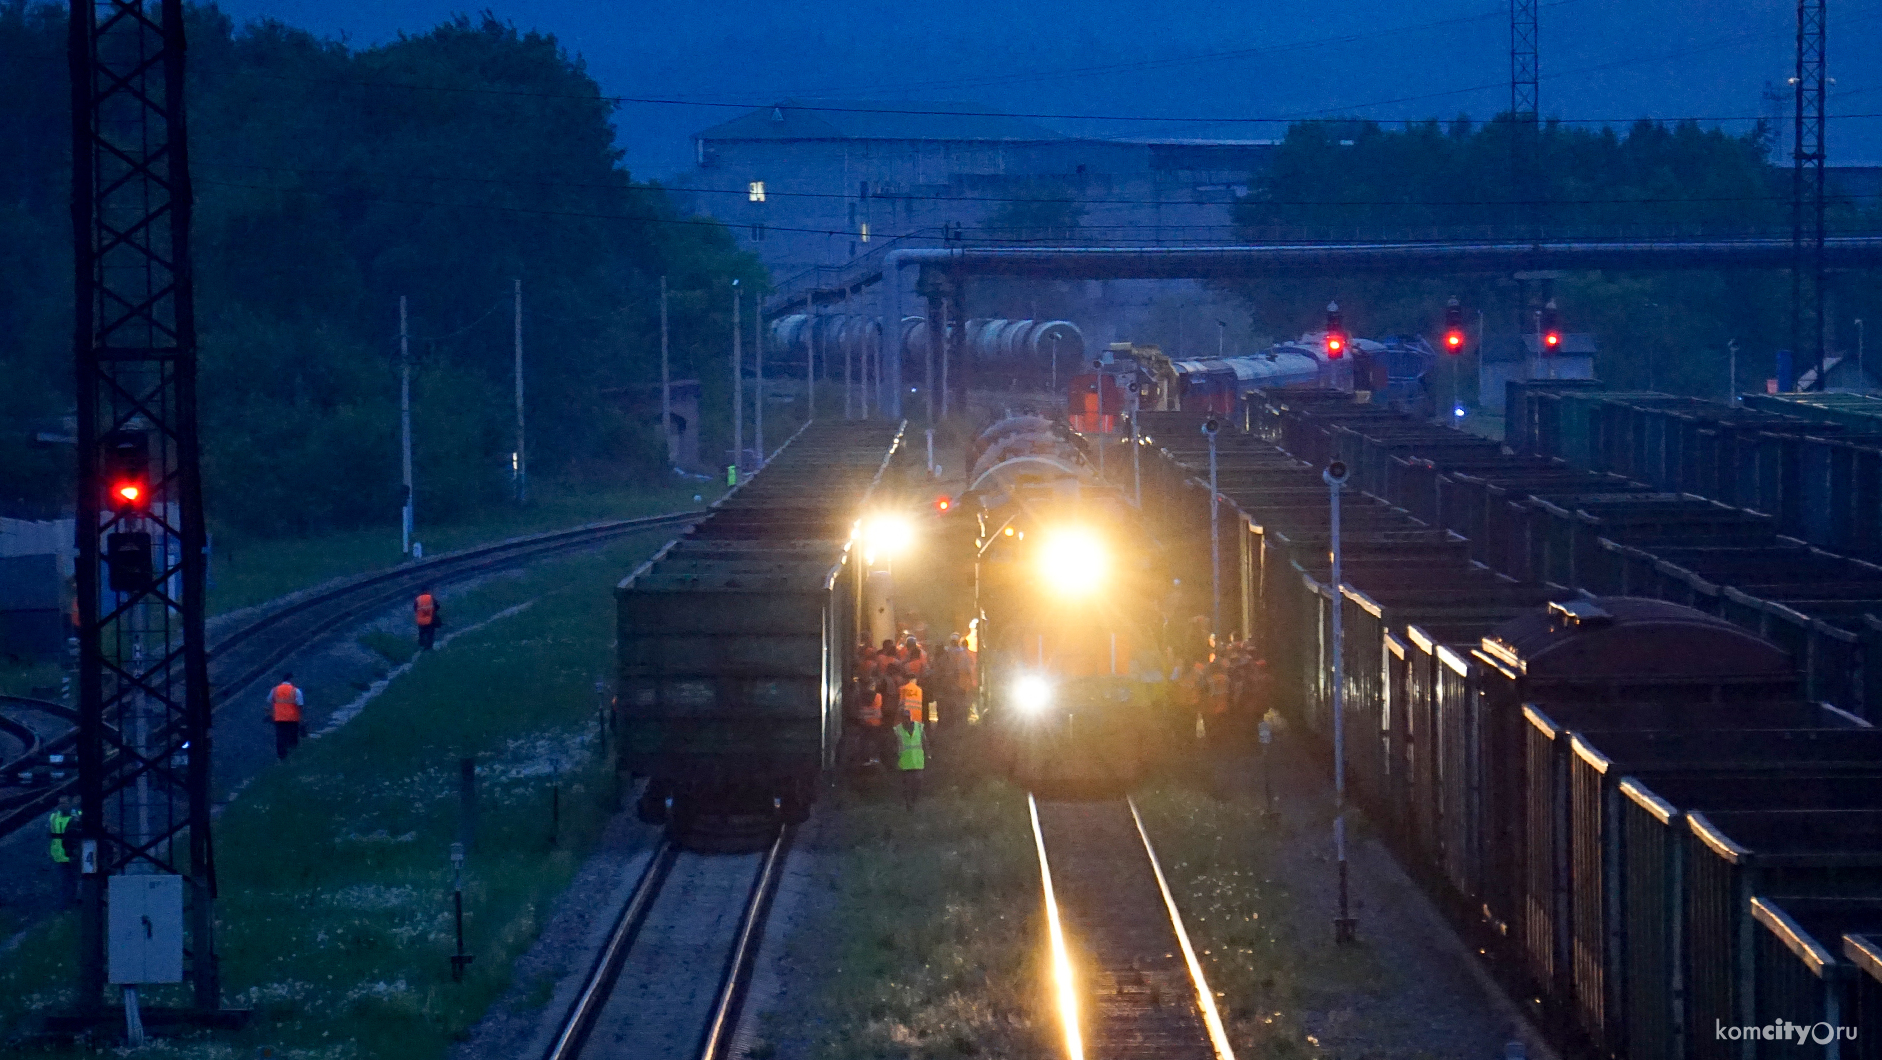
(912, 700)
(429, 617)
(284, 709)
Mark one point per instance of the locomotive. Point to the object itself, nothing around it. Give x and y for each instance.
(1064, 594)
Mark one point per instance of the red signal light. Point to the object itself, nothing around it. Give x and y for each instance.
(942, 504)
(1454, 341)
(1552, 339)
(1335, 345)
(130, 492)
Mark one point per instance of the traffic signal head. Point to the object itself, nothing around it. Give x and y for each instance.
(1336, 331)
(124, 470)
(1551, 328)
(128, 563)
(1453, 327)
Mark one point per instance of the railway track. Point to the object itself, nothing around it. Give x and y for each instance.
(654, 992)
(262, 642)
(1128, 983)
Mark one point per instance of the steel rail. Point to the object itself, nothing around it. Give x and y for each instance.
(731, 999)
(22, 732)
(379, 588)
(1205, 999)
(602, 974)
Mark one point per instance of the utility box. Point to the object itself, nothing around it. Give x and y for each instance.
(145, 929)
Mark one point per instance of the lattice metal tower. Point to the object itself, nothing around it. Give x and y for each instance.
(144, 711)
(1525, 135)
(1523, 60)
(1807, 199)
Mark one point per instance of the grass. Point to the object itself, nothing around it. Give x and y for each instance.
(929, 945)
(335, 909)
(248, 571)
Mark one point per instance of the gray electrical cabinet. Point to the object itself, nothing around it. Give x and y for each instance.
(145, 929)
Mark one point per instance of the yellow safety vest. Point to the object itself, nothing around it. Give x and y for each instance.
(909, 738)
(60, 822)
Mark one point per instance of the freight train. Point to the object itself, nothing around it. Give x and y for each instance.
(733, 639)
(1591, 712)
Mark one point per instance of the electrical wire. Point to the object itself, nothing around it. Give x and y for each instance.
(1725, 42)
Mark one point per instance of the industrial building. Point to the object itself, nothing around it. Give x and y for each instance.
(808, 184)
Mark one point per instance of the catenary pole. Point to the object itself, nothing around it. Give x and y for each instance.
(1210, 427)
(522, 457)
(1335, 476)
(738, 387)
(849, 353)
(405, 430)
(758, 376)
(666, 379)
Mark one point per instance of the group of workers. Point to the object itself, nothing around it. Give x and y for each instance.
(1227, 691)
(899, 699)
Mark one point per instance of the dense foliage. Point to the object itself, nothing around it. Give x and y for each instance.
(331, 181)
(1347, 180)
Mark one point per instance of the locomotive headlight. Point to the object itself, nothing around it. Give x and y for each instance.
(1031, 694)
(887, 535)
(1073, 560)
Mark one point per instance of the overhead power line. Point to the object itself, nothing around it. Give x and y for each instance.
(916, 110)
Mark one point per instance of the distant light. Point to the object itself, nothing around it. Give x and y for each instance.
(942, 504)
(1552, 339)
(865, 231)
(1458, 412)
(755, 192)
(1009, 531)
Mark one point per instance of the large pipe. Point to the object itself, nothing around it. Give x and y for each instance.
(1318, 259)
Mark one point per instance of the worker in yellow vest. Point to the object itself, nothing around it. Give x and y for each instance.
(284, 709)
(911, 742)
(429, 616)
(65, 853)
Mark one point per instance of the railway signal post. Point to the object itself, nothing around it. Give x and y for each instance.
(143, 675)
(1343, 924)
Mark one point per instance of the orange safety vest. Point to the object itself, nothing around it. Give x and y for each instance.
(427, 609)
(872, 709)
(911, 701)
(285, 709)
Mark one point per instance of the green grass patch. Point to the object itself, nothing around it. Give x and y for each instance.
(931, 945)
(335, 911)
(392, 647)
(248, 571)
(1267, 949)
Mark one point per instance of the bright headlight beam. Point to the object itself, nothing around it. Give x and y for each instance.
(1073, 560)
(888, 534)
(1031, 693)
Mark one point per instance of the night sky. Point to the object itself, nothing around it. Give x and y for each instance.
(1135, 59)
